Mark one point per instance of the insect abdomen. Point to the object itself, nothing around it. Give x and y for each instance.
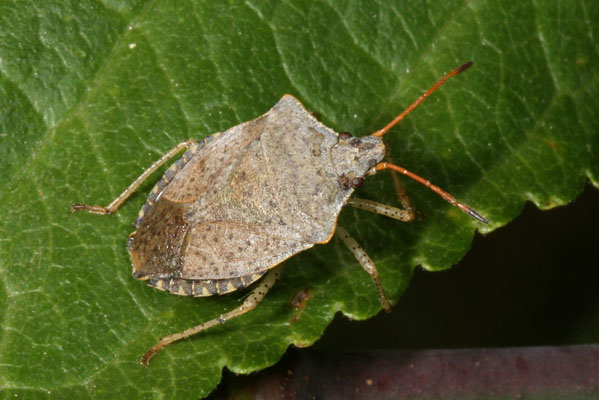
(203, 288)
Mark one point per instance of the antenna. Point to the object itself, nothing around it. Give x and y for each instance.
(415, 104)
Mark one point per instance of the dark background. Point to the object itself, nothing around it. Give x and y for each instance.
(533, 282)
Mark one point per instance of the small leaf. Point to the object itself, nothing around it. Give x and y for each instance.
(93, 93)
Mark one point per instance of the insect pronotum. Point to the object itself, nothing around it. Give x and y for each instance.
(242, 201)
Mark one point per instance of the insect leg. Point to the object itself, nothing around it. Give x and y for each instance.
(402, 195)
(254, 298)
(366, 263)
(403, 214)
(382, 209)
(116, 203)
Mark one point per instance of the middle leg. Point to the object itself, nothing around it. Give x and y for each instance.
(366, 263)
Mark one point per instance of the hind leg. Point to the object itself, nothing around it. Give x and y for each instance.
(254, 298)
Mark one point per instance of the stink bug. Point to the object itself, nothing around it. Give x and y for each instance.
(242, 201)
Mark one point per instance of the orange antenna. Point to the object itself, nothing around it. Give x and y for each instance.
(436, 189)
(415, 104)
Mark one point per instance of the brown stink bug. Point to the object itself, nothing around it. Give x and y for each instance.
(242, 201)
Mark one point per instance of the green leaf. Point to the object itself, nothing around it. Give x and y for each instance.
(92, 93)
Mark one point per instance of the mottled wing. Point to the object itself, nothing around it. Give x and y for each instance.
(216, 158)
(225, 249)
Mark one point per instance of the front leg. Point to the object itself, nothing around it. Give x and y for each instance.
(403, 214)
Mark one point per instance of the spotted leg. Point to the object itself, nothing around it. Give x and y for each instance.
(402, 195)
(382, 209)
(366, 263)
(116, 203)
(403, 214)
(254, 298)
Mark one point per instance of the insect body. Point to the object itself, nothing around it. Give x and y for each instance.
(246, 199)
(240, 202)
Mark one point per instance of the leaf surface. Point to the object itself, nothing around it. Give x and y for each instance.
(92, 93)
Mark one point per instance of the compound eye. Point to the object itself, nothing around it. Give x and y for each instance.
(357, 182)
(345, 136)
